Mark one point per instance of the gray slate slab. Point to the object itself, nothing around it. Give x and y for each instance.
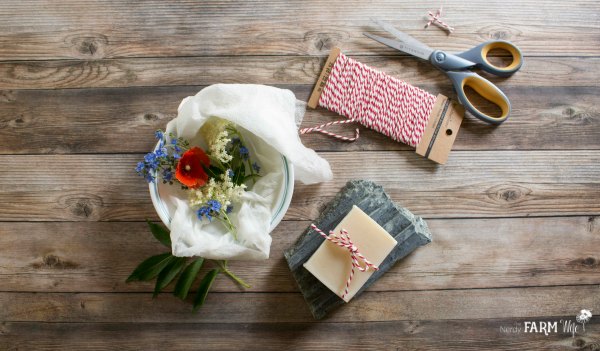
(410, 232)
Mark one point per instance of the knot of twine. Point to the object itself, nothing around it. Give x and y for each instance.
(343, 240)
(436, 19)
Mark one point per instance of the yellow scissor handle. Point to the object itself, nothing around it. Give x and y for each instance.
(479, 56)
(517, 57)
(485, 89)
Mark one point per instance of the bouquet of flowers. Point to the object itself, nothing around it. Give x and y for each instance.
(215, 179)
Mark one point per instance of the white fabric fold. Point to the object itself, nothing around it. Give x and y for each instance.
(268, 118)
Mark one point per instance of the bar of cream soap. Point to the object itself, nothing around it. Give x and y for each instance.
(331, 264)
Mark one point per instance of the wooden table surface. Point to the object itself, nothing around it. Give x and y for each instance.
(514, 212)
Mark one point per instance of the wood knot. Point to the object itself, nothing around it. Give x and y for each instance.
(83, 209)
(500, 35)
(88, 45)
(7, 96)
(499, 32)
(594, 346)
(579, 342)
(413, 327)
(582, 116)
(508, 194)
(19, 122)
(55, 262)
(83, 206)
(586, 262)
(151, 117)
(324, 41)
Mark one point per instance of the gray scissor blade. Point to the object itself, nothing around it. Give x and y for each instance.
(417, 51)
(403, 37)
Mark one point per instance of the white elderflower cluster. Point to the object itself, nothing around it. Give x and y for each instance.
(223, 191)
(218, 148)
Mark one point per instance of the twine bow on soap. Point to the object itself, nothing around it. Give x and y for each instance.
(343, 240)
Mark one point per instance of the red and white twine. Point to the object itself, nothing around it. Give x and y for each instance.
(343, 240)
(337, 136)
(437, 19)
(376, 100)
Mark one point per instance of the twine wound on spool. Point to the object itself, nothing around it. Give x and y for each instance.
(376, 100)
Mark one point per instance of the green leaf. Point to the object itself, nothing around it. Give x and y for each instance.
(238, 176)
(187, 278)
(204, 288)
(150, 267)
(169, 273)
(213, 171)
(160, 233)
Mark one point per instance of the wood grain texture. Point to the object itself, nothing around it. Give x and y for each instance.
(465, 253)
(290, 307)
(507, 183)
(81, 121)
(89, 30)
(514, 214)
(480, 334)
(537, 71)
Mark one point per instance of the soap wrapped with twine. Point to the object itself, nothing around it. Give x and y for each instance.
(408, 230)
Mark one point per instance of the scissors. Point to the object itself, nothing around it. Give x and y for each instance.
(458, 66)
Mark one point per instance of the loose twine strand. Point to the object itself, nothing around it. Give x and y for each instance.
(343, 240)
(376, 100)
(436, 19)
(337, 136)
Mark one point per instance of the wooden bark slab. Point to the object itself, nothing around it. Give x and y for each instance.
(410, 232)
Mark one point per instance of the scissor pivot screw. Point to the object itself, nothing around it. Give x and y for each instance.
(440, 57)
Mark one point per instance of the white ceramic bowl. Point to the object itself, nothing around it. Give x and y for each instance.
(165, 208)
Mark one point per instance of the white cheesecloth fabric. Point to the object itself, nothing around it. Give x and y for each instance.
(268, 119)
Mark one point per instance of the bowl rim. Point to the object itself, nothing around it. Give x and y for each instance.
(284, 204)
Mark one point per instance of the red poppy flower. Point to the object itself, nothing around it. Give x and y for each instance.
(190, 169)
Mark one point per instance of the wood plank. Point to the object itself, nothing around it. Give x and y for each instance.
(291, 308)
(397, 335)
(472, 184)
(537, 71)
(98, 120)
(465, 253)
(90, 30)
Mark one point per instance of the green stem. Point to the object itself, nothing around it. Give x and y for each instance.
(248, 162)
(251, 171)
(223, 266)
(215, 161)
(224, 218)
